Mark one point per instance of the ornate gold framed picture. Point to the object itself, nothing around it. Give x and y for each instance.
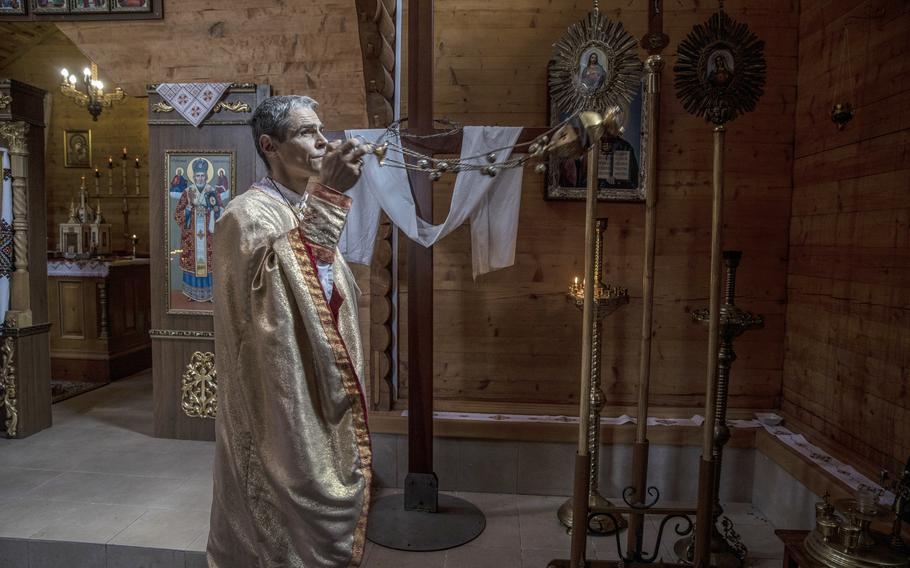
(50, 6)
(89, 6)
(12, 7)
(77, 148)
(198, 186)
(131, 5)
(595, 67)
(622, 175)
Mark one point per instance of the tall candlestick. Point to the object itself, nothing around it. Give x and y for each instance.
(97, 182)
(110, 175)
(137, 175)
(123, 172)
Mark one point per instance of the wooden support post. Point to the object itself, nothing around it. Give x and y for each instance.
(420, 259)
(654, 41)
(653, 67)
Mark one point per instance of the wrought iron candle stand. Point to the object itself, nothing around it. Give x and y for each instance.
(726, 549)
(607, 299)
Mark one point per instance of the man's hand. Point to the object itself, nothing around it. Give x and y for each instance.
(342, 164)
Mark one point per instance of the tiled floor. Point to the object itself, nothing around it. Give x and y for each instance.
(98, 491)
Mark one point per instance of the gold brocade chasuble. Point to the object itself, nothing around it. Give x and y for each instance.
(292, 451)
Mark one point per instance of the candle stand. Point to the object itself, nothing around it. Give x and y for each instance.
(726, 548)
(607, 299)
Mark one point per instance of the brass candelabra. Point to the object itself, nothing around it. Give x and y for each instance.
(91, 95)
(726, 548)
(607, 299)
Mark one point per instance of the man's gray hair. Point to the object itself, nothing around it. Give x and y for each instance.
(272, 117)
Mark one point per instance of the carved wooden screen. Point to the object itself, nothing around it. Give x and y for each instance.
(182, 339)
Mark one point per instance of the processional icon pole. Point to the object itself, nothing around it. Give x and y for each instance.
(720, 74)
(654, 41)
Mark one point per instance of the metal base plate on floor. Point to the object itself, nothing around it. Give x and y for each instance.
(600, 525)
(721, 555)
(456, 522)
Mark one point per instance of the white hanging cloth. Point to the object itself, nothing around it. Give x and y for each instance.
(6, 235)
(491, 203)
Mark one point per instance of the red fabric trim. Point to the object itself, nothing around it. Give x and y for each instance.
(351, 383)
(335, 301)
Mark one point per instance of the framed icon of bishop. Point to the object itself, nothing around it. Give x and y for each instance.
(198, 186)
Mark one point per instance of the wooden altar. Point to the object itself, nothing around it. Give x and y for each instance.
(100, 312)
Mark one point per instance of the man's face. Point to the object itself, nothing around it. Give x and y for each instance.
(199, 178)
(301, 153)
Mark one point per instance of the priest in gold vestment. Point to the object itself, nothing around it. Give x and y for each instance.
(292, 451)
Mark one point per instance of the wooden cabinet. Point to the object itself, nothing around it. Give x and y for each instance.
(100, 316)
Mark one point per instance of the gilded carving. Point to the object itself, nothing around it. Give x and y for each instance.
(181, 334)
(5, 101)
(8, 383)
(162, 107)
(237, 106)
(200, 386)
(15, 133)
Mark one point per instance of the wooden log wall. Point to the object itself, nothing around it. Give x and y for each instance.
(511, 337)
(307, 48)
(848, 320)
(122, 125)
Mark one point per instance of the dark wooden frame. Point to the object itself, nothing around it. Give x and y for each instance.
(67, 163)
(74, 10)
(155, 12)
(555, 192)
(178, 336)
(21, 11)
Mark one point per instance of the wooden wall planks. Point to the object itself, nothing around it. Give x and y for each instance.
(510, 336)
(122, 125)
(310, 48)
(848, 323)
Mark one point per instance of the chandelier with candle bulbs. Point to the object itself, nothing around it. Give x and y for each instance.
(90, 93)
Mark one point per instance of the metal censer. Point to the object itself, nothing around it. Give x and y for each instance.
(607, 299)
(842, 537)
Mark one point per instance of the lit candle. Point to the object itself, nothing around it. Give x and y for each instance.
(110, 162)
(137, 162)
(125, 155)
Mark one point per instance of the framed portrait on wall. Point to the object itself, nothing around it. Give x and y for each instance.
(50, 6)
(77, 148)
(198, 186)
(12, 7)
(621, 170)
(595, 67)
(88, 6)
(131, 5)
